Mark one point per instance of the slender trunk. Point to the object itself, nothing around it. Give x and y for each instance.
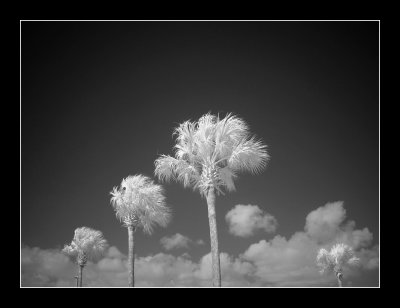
(80, 275)
(216, 270)
(131, 257)
(339, 277)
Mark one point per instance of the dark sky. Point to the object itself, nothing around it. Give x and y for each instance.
(99, 101)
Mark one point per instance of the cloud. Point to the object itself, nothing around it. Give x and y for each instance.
(291, 262)
(44, 267)
(326, 224)
(200, 242)
(165, 270)
(323, 223)
(50, 268)
(246, 220)
(177, 241)
(234, 271)
(280, 261)
(369, 258)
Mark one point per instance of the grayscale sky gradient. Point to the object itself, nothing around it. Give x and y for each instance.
(99, 102)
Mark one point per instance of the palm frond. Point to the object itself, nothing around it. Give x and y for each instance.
(116, 198)
(86, 241)
(165, 167)
(141, 203)
(187, 174)
(185, 147)
(339, 256)
(231, 128)
(249, 155)
(324, 261)
(210, 152)
(185, 132)
(353, 260)
(342, 254)
(226, 177)
(169, 168)
(159, 215)
(205, 128)
(205, 136)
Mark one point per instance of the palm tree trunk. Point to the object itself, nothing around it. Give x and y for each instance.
(80, 275)
(131, 257)
(216, 270)
(339, 277)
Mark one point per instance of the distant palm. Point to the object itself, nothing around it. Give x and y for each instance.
(334, 260)
(209, 155)
(87, 244)
(139, 203)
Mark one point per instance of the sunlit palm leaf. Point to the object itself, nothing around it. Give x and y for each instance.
(227, 176)
(339, 256)
(141, 203)
(249, 155)
(210, 152)
(88, 242)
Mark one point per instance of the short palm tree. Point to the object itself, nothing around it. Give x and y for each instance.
(139, 203)
(209, 154)
(335, 259)
(87, 244)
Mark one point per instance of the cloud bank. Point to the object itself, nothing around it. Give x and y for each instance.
(177, 241)
(279, 262)
(291, 262)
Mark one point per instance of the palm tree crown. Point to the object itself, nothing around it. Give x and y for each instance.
(140, 203)
(87, 244)
(211, 152)
(334, 260)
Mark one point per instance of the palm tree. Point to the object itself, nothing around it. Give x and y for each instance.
(87, 244)
(139, 203)
(335, 259)
(209, 154)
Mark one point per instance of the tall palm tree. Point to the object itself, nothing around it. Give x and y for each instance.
(139, 203)
(209, 155)
(87, 244)
(335, 259)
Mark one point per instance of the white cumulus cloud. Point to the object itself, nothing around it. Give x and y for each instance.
(291, 262)
(177, 241)
(246, 220)
(323, 223)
